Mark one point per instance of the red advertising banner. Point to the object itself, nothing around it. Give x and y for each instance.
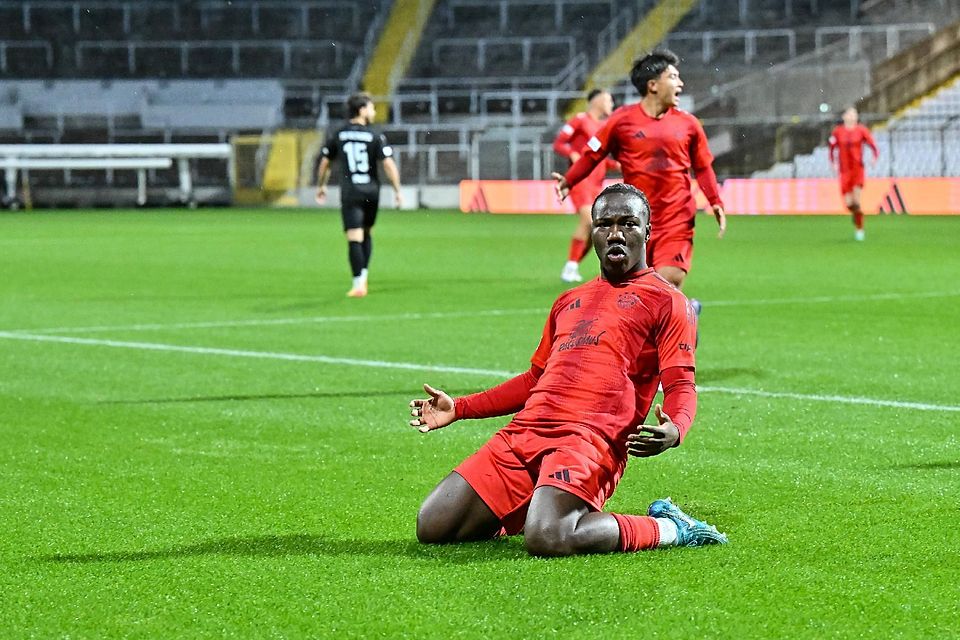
(746, 196)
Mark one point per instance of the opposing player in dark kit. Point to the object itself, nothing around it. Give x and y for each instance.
(361, 150)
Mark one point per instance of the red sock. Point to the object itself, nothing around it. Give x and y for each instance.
(857, 217)
(637, 532)
(577, 247)
(587, 248)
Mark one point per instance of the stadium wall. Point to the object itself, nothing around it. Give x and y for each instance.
(748, 196)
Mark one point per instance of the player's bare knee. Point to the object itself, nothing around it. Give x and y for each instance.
(431, 526)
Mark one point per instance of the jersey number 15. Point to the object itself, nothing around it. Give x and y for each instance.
(357, 158)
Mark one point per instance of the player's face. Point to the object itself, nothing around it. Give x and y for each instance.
(850, 117)
(667, 87)
(620, 235)
(605, 103)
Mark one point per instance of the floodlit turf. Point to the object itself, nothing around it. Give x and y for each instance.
(171, 471)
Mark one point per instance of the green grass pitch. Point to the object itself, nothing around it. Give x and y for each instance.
(200, 436)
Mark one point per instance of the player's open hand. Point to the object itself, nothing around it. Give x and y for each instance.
(562, 188)
(321, 196)
(650, 440)
(721, 217)
(434, 412)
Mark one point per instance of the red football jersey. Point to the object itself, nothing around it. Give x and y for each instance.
(849, 143)
(573, 136)
(602, 351)
(656, 156)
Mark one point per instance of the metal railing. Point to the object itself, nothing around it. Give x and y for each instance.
(287, 48)
(25, 44)
(503, 7)
(524, 43)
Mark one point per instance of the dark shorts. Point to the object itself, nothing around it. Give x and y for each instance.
(358, 214)
(511, 465)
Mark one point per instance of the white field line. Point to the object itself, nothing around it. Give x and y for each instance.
(439, 315)
(381, 364)
(263, 355)
(266, 322)
(866, 297)
(871, 402)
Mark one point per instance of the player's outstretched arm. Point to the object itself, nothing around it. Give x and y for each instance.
(649, 440)
(434, 412)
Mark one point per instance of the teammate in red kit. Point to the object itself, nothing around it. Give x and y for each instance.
(580, 411)
(846, 156)
(657, 145)
(568, 143)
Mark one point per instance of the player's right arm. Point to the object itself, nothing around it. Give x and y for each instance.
(328, 152)
(834, 146)
(440, 409)
(323, 175)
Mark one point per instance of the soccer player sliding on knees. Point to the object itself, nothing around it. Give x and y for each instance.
(580, 408)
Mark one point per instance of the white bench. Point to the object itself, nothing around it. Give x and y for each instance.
(140, 157)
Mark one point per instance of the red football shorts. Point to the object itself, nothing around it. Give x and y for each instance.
(670, 252)
(586, 191)
(851, 179)
(514, 462)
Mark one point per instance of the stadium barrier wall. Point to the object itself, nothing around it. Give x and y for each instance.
(741, 196)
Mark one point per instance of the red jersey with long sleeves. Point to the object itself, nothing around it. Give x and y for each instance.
(656, 156)
(573, 136)
(847, 144)
(602, 351)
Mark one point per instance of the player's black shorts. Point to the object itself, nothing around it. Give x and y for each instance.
(357, 214)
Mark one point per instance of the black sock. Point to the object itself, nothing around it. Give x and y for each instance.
(355, 253)
(367, 248)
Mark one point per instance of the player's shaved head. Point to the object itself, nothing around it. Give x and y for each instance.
(650, 67)
(622, 188)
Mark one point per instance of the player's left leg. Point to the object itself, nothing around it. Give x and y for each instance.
(562, 524)
(370, 209)
(673, 275)
(367, 245)
(564, 516)
(853, 204)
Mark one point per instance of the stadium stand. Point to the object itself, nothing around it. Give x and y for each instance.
(485, 90)
(169, 71)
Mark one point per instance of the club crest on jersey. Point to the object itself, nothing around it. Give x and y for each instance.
(580, 336)
(627, 300)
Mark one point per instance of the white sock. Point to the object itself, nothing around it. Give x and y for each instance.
(363, 274)
(668, 532)
(572, 265)
(358, 281)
